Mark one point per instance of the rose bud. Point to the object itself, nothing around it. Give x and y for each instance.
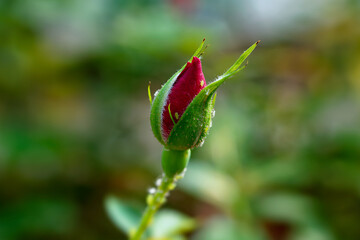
(181, 111)
(187, 85)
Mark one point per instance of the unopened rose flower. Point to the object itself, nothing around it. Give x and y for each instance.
(185, 88)
(181, 111)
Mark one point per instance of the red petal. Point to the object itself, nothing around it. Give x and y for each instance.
(188, 84)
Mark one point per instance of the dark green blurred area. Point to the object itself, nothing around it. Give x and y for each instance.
(282, 160)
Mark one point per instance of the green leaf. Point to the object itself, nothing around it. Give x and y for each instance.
(125, 216)
(195, 122)
(169, 224)
(160, 98)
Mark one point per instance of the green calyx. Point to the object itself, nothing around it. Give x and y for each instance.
(194, 124)
(174, 162)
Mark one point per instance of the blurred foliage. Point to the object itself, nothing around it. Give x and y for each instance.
(282, 160)
(167, 224)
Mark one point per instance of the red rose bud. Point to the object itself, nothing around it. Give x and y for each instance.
(187, 85)
(181, 111)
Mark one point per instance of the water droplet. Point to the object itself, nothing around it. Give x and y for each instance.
(156, 93)
(202, 143)
(152, 190)
(207, 92)
(210, 124)
(213, 113)
(158, 182)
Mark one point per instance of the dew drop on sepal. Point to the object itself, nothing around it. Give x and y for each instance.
(156, 93)
(213, 113)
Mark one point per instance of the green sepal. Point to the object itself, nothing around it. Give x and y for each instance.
(174, 162)
(194, 124)
(160, 98)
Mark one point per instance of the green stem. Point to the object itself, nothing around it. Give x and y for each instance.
(174, 165)
(155, 201)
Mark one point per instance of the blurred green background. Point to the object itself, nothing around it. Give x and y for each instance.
(282, 160)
